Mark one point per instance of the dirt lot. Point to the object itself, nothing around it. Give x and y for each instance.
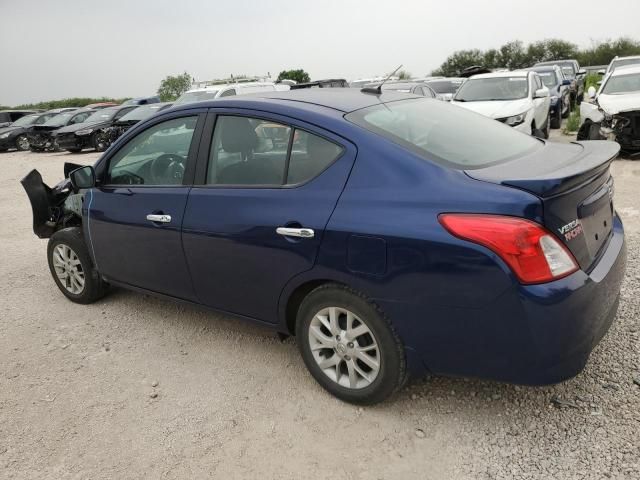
(136, 387)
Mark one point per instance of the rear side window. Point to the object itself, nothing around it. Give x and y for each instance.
(255, 152)
(228, 93)
(444, 133)
(310, 156)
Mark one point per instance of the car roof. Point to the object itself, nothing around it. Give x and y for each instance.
(227, 85)
(339, 99)
(517, 73)
(543, 68)
(625, 58)
(626, 70)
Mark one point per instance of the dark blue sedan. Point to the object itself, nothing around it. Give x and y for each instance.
(392, 234)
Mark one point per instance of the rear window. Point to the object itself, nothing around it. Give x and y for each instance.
(444, 133)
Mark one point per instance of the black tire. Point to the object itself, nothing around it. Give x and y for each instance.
(547, 124)
(392, 373)
(566, 115)
(556, 120)
(22, 143)
(94, 287)
(100, 141)
(74, 150)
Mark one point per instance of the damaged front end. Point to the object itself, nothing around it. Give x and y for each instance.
(624, 128)
(55, 207)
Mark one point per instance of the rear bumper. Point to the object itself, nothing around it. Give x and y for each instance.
(530, 334)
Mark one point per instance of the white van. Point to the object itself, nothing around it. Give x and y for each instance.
(224, 90)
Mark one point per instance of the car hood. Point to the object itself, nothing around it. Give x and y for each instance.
(81, 126)
(497, 108)
(613, 104)
(9, 129)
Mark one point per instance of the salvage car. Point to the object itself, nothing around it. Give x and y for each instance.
(16, 134)
(224, 90)
(110, 134)
(74, 138)
(559, 90)
(572, 71)
(392, 234)
(41, 136)
(327, 83)
(614, 110)
(142, 100)
(445, 87)
(518, 99)
(7, 117)
(416, 88)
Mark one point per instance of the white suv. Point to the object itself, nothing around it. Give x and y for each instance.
(224, 90)
(620, 62)
(518, 99)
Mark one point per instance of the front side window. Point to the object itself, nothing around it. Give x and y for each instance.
(156, 156)
(250, 151)
(495, 88)
(445, 133)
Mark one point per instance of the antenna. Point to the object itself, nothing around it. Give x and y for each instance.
(378, 90)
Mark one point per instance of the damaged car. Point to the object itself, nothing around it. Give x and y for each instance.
(613, 112)
(41, 137)
(89, 134)
(110, 134)
(391, 234)
(16, 135)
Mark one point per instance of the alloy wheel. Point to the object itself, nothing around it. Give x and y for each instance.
(68, 269)
(344, 347)
(22, 143)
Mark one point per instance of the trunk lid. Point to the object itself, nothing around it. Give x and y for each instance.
(576, 189)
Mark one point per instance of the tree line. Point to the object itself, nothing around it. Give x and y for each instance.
(516, 54)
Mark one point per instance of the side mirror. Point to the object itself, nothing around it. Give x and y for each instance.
(83, 177)
(602, 71)
(541, 93)
(591, 92)
(566, 81)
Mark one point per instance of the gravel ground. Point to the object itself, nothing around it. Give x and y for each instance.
(136, 387)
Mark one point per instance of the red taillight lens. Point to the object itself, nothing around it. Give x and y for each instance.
(533, 253)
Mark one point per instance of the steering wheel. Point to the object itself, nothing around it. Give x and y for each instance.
(167, 169)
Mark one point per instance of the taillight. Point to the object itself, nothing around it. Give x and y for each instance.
(533, 253)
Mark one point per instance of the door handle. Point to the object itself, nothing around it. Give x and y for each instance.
(159, 218)
(295, 232)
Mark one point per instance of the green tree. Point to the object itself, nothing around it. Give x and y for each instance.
(404, 75)
(174, 86)
(299, 76)
(459, 61)
(602, 53)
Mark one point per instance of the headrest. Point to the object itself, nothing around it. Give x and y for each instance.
(237, 135)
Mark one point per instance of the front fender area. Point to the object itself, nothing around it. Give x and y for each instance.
(590, 111)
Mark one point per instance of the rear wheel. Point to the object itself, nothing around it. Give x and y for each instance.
(71, 267)
(568, 112)
(101, 141)
(22, 143)
(349, 346)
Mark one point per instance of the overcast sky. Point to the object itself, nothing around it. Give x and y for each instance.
(122, 48)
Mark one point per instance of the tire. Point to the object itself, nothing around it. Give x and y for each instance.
(566, 115)
(100, 142)
(556, 120)
(69, 262)
(22, 143)
(345, 374)
(545, 132)
(74, 150)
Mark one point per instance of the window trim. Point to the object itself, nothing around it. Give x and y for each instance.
(187, 180)
(206, 142)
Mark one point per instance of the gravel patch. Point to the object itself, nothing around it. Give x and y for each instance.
(137, 387)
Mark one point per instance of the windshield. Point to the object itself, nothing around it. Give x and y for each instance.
(496, 88)
(200, 96)
(59, 120)
(445, 133)
(445, 86)
(624, 62)
(622, 84)
(26, 120)
(142, 112)
(103, 115)
(548, 78)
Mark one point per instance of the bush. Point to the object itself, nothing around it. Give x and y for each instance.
(591, 80)
(573, 122)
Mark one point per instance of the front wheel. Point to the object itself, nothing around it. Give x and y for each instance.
(71, 267)
(349, 346)
(22, 143)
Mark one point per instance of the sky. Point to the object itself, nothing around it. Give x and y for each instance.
(53, 49)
